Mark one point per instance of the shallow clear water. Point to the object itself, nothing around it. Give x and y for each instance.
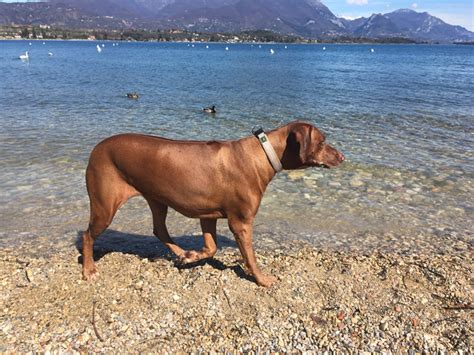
(403, 116)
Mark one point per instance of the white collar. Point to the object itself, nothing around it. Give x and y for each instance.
(268, 148)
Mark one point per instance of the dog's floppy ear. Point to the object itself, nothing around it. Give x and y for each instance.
(299, 143)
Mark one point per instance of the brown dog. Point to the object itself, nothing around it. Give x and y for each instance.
(206, 180)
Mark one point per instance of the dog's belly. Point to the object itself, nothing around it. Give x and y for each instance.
(200, 214)
(192, 203)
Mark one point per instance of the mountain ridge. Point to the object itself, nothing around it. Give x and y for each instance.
(306, 18)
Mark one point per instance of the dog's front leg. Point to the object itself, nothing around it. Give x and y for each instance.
(243, 231)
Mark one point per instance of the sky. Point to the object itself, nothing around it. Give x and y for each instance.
(454, 12)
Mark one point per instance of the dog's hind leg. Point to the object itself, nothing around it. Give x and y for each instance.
(107, 194)
(159, 212)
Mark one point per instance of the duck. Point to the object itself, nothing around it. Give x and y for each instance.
(24, 56)
(133, 95)
(211, 109)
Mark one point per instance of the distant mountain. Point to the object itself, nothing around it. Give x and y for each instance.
(307, 18)
(424, 26)
(410, 24)
(351, 25)
(377, 26)
(59, 15)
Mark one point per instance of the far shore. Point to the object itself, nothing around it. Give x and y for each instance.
(43, 33)
(247, 43)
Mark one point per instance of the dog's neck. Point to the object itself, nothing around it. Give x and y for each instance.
(278, 139)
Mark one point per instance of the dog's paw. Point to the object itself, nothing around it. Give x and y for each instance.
(90, 275)
(265, 280)
(188, 257)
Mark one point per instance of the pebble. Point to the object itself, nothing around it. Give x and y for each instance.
(356, 183)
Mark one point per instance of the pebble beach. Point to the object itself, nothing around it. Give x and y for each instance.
(324, 300)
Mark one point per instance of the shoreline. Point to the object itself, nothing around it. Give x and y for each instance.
(223, 42)
(323, 300)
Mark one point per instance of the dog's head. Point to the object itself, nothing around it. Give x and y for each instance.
(306, 146)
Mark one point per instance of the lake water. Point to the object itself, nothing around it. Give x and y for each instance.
(402, 115)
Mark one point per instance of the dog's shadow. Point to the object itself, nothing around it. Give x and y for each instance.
(150, 247)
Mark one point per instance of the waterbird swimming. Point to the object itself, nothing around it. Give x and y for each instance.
(271, 51)
(50, 54)
(99, 49)
(211, 109)
(133, 95)
(24, 56)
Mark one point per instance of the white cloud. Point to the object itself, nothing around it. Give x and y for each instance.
(414, 5)
(357, 2)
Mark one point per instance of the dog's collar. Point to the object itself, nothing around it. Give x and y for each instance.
(268, 149)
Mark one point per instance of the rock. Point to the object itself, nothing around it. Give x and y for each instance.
(83, 338)
(356, 183)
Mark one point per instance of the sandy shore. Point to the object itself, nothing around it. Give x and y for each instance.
(324, 300)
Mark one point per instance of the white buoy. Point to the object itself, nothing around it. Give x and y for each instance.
(99, 49)
(103, 45)
(272, 51)
(372, 50)
(324, 48)
(30, 43)
(207, 47)
(44, 43)
(226, 48)
(113, 44)
(259, 46)
(286, 47)
(192, 45)
(24, 56)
